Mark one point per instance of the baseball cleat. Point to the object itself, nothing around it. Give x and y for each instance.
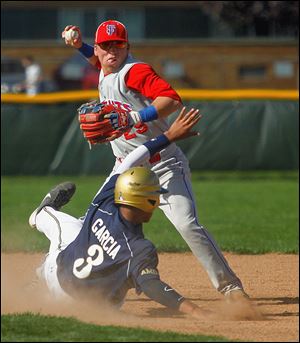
(241, 306)
(59, 196)
(237, 296)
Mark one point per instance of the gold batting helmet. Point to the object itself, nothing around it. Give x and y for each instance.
(138, 187)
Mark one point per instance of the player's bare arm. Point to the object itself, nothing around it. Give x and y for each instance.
(165, 106)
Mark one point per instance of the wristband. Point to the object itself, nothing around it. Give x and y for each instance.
(86, 50)
(148, 114)
(157, 144)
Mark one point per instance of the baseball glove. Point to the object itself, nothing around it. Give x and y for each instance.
(103, 122)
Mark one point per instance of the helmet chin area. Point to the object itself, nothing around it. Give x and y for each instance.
(135, 215)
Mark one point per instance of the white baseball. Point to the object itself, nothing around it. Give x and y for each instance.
(71, 35)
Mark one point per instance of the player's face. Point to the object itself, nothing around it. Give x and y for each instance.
(140, 216)
(135, 215)
(111, 54)
(145, 216)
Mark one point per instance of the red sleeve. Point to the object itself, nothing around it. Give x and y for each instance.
(143, 79)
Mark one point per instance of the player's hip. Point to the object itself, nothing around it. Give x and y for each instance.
(48, 272)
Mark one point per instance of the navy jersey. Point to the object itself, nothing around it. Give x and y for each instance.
(109, 256)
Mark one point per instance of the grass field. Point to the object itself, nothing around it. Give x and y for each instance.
(247, 212)
(36, 328)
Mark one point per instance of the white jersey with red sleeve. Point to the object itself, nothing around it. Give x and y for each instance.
(113, 88)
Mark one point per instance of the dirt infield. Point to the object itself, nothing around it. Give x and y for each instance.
(271, 280)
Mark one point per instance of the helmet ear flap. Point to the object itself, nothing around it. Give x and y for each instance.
(138, 187)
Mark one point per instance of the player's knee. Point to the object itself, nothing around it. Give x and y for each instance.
(186, 228)
(192, 231)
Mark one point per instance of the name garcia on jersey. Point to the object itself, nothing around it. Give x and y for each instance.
(107, 242)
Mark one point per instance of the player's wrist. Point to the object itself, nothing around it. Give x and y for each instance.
(86, 50)
(134, 118)
(157, 144)
(148, 113)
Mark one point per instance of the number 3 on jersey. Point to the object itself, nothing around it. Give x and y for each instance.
(82, 267)
(140, 128)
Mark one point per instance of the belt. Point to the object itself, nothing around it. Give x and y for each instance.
(155, 158)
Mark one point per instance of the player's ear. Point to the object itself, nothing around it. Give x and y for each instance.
(128, 46)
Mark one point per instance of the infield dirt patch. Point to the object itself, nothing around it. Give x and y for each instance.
(271, 280)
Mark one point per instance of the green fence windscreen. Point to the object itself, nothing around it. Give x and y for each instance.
(235, 135)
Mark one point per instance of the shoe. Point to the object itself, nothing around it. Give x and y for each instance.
(56, 198)
(240, 306)
(238, 295)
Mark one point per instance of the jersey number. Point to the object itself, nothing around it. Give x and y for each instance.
(140, 128)
(82, 267)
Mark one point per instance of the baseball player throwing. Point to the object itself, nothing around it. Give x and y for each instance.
(148, 100)
(107, 255)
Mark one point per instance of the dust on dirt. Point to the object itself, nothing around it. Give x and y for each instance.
(271, 280)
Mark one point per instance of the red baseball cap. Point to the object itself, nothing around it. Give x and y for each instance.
(111, 30)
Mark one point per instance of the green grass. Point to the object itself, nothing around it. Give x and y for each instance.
(246, 212)
(36, 328)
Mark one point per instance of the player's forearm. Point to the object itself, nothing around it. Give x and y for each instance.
(160, 107)
(88, 52)
(166, 106)
(93, 60)
(142, 153)
(162, 293)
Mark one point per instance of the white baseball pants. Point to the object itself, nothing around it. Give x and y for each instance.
(61, 229)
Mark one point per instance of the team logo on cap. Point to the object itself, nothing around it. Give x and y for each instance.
(110, 29)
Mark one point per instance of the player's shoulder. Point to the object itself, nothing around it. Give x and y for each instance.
(142, 67)
(139, 72)
(107, 190)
